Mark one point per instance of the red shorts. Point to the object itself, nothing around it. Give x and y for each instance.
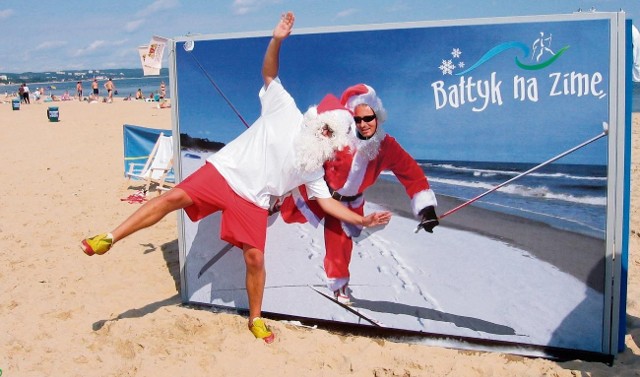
(242, 221)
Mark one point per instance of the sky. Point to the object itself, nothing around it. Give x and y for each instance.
(47, 35)
(407, 68)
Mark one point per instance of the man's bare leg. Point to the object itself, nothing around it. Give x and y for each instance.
(151, 212)
(256, 277)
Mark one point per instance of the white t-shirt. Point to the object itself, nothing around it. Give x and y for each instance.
(261, 161)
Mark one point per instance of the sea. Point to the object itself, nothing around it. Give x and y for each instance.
(568, 197)
(124, 87)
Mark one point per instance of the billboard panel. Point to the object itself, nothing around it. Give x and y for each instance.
(523, 114)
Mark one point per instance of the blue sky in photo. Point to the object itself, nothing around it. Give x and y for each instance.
(409, 67)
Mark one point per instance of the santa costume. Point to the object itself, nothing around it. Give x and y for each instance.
(283, 149)
(348, 175)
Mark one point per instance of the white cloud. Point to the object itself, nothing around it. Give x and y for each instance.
(241, 7)
(48, 45)
(133, 25)
(156, 6)
(121, 42)
(346, 13)
(6, 13)
(159, 5)
(99, 45)
(95, 45)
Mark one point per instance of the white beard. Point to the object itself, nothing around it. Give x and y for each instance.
(312, 149)
(371, 147)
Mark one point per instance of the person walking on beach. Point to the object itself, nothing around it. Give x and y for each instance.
(282, 150)
(21, 92)
(79, 90)
(163, 90)
(349, 174)
(95, 89)
(26, 94)
(110, 88)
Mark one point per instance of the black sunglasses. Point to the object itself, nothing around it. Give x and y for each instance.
(366, 118)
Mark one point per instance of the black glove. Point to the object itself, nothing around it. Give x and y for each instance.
(429, 219)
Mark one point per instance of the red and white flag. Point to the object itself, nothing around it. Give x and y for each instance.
(147, 71)
(152, 57)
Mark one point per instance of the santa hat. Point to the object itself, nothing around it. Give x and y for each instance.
(363, 94)
(332, 113)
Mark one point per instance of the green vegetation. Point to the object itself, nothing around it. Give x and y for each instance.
(73, 75)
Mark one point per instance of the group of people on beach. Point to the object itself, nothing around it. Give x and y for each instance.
(158, 96)
(317, 164)
(94, 96)
(25, 95)
(109, 85)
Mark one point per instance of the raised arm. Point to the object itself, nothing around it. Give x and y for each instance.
(271, 61)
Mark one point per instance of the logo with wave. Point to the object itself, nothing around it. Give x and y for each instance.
(539, 56)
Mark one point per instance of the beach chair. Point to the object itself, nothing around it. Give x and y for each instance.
(158, 170)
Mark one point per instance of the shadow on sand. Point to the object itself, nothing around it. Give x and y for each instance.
(170, 253)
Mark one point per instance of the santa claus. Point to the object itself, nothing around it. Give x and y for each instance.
(349, 174)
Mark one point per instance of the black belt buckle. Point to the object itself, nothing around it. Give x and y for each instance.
(343, 198)
(337, 196)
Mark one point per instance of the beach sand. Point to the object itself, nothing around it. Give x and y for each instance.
(63, 313)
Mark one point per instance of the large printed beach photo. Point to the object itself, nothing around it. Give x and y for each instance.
(525, 265)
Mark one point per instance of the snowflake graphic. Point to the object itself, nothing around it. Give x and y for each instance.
(447, 67)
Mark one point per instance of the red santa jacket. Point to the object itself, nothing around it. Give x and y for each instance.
(350, 174)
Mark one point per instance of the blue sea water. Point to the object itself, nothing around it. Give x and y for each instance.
(124, 87)
(570, 197)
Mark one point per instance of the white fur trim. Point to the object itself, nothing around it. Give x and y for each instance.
(304, 208)
(370, 98)
(423, 199)
(356, 175)
(336, 283)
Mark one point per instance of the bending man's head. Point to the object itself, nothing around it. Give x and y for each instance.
(325, 130)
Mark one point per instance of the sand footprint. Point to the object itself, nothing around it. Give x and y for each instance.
(303, 231)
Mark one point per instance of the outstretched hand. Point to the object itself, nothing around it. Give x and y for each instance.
(377, 218)
(429, 219)
(284, 27)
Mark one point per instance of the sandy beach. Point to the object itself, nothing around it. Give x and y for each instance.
(63, 313)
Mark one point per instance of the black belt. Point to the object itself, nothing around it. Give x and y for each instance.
(343, 198)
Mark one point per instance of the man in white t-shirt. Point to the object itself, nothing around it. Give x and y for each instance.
(280, 151)
(26, 94)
